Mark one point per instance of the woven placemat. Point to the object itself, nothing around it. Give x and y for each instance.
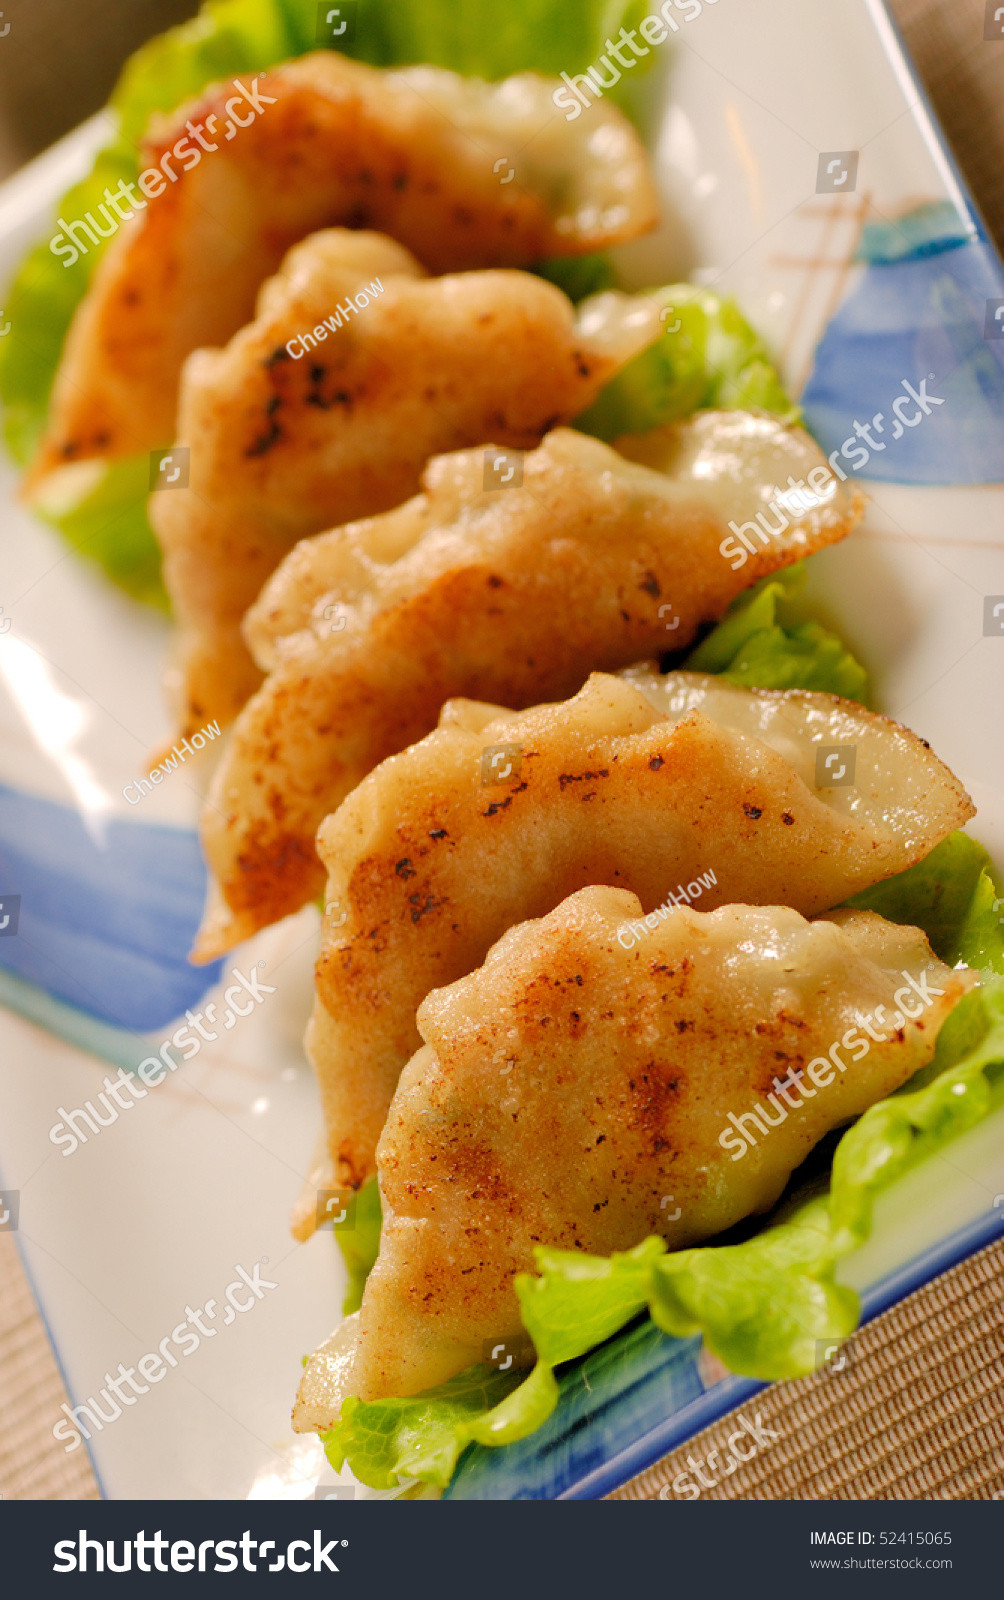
(32, 1465)
(918, 1408)
(911, 1408)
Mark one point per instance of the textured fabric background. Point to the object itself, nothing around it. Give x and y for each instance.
(917, 1410)
(911, 1408)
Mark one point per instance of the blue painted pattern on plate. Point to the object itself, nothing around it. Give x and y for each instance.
(107, 912)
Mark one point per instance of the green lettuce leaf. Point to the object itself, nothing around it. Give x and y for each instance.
(360, 1244)
(389, 1441)
(764, 1306)
(760, 645)
(953, 894)
(579, 276)
(980, 939)
(106, 522)
(803, 657)
(707, 356)
(581, 1300)
(966, 1083)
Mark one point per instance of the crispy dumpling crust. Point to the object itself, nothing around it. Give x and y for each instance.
(569, 1088)
(413, 153)
(285, 444)
(511, 595)
(645, 781)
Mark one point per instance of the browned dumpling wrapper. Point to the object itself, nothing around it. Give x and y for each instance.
(682, 788)
(511, 594)
(252, 166)
(577, 1094)
(301, 423)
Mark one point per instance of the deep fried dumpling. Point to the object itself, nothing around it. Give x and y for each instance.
(650, 783)
(509, 594)
(570, 1087)
(287, 440)
(414, 153)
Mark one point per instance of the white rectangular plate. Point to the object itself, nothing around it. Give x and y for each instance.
(155, 1213)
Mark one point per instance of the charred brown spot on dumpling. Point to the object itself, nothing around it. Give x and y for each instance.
(653, 1092)
(264, 441)
(420, 906)
(84, 444)
(262, 886)
(350, 1176)
(565, 778)
(791, 1020)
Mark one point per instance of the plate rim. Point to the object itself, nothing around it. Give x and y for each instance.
(894, 1286)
